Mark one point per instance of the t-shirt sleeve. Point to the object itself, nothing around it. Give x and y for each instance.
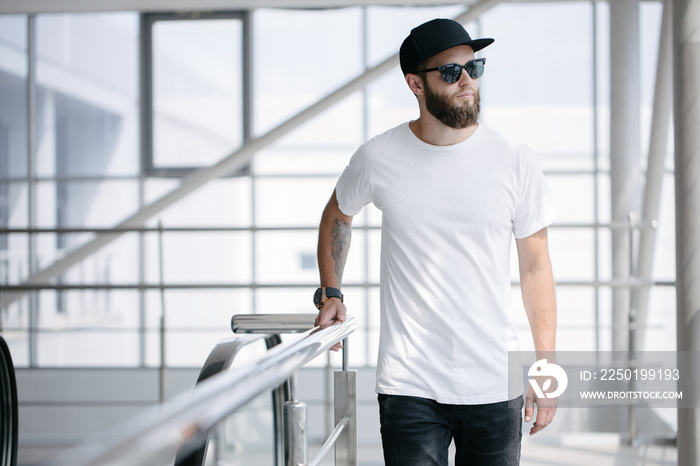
(353, 189)
(535, 208)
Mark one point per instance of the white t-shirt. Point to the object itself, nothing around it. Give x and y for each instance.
(448, 213)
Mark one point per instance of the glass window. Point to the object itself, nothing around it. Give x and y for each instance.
(601, 75)
(220, 203)
(661, 320)
(87, 94)
(387, 27)
(539, 90)
(323, 160)
(14, 267)
(18, 342)
(278, 257)
(197, 90)
(200, 257)
(291, 201)
(88, 328)
(300, 56)
(604, 256)
(13, 204)
(578, 208)
(13, 146)
(85, 203)
(390, 103)
(195, 321)
(273, 300)
(575, 322)
(573, 256)
(576, 326)
(13, 99)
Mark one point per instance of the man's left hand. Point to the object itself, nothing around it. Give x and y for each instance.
(546, 408)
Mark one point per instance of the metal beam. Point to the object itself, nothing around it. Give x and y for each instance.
(625, 170)
(63, 6)
(234, 161)
(658, 145)
(686, 48)
(145, 6)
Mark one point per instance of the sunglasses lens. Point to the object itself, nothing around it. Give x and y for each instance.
(451, 73)
(475, 69)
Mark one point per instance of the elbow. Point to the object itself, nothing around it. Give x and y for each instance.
(536, 268)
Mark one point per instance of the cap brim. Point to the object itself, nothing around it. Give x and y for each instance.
(478, 44)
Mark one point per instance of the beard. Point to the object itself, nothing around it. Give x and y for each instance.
(453, 116)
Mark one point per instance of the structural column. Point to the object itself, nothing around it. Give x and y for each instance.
(625, 169)
(686, 44)
(656, 163)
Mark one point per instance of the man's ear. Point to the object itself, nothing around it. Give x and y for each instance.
(415, 83)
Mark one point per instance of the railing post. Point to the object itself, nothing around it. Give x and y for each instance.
(346, 406)
(280, 396)
(295, 437)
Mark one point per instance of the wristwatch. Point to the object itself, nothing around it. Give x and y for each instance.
(323, 293)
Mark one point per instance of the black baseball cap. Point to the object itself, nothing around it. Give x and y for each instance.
(433, 37)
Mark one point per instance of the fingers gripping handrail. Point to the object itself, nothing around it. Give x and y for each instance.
(272, 323)
(154, 437)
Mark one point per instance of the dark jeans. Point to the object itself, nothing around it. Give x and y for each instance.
(417, 432)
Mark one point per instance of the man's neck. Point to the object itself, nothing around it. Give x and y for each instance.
(433, 132)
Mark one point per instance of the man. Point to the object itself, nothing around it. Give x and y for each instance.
(452, 193)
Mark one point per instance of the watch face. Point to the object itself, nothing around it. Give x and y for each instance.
(318, 296)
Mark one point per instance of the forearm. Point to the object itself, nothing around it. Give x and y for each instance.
(333, 244)
(539, 299)
(537, 287)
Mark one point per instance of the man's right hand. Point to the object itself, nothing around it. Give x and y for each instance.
(332, 310)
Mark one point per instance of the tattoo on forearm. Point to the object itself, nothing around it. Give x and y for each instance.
(340, 244)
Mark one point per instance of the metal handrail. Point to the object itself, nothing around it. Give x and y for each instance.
(271, 323)
(613, 283)
(185, 421)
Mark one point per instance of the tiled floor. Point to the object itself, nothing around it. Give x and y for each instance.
(565, 450)
(574, 450)
(595, 449)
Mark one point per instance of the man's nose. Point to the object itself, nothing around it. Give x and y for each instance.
(464, 77)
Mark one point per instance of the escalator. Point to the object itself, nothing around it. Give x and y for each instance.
(8, 408)
(178, 430)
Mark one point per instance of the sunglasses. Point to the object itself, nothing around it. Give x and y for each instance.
(452, 72)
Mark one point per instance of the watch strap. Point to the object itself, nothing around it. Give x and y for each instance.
(334, 293)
